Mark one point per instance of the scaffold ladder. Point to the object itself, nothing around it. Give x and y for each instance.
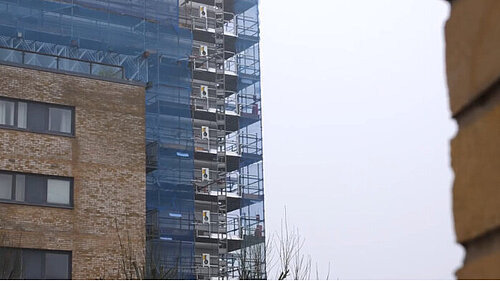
(220, 113)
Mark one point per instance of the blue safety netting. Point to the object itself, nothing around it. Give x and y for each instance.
(136, 40)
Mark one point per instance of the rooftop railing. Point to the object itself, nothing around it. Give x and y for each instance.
(61, 63)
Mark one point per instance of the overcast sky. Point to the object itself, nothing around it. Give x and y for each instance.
(356, 134)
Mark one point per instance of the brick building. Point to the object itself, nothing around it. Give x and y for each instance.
(72, 158)
(473, 69)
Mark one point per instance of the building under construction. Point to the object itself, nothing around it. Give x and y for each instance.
(199, 62)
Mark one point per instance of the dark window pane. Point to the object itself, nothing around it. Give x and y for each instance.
(6, 186)
(37, 117)
(56, 266)
(32, 264)
(35, 189)
(10, 263)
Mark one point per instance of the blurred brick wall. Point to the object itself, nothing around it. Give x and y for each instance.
(473, 70)
(106, 158)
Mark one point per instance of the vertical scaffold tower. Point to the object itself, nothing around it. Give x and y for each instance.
(220, 117)
(226, 110)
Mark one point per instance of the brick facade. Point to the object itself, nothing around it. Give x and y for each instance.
(106, 158)
(473, 70)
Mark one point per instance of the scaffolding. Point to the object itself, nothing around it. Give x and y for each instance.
(200, 60)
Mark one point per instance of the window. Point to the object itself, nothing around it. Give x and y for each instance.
(36, 189)
(7, 113)
(36, 264)
(36, 116)
(5, 186)
(32, 264)
(10, 263)
(22, 114)
(20, 187)
(56, 266)
(60, 120)
(58, 191)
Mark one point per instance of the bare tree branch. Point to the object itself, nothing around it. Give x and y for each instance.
(287, 250)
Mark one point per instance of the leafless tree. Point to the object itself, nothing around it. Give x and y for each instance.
(289, 244)
(287, 253)
(251, 261)
(143, 264)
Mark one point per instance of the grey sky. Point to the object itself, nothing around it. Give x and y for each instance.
(356, 134)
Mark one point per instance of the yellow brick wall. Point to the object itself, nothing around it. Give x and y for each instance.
(106, 158)
(473, 70)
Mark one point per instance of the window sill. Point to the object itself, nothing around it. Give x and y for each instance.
(3, 201)
(35, 132)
